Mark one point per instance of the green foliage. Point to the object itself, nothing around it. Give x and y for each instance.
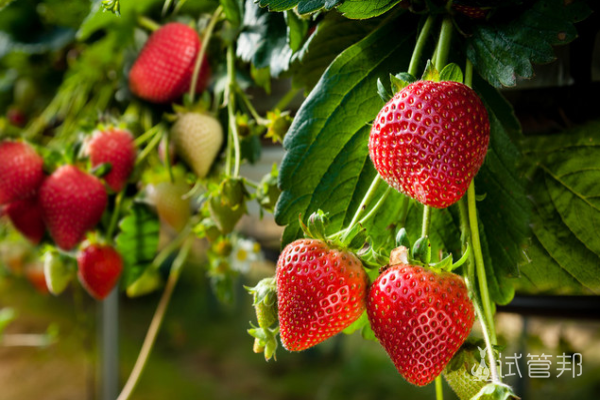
(358, 9)
(326, 165)
(263, 40)
(503, 49)
(565, 250)
(332, 36)
(304, 6)
(137, 241)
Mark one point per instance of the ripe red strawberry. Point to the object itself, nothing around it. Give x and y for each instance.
(21, 171)
(421, 318)
(116, 147)
(16, 117)
(100, 267)
(163, 71)
(320, 292)
(26, 217)
(430, 140)
(72, 203)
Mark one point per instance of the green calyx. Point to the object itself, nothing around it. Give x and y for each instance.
(265, 304)
(420, 254)
(353, 239)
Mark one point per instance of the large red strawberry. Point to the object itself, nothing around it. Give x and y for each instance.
(420, 317)
(320, 291)
(100, 267)
(163, 71)
(21, 171)
(26, 217)
(430, 140)
(72, 203)
(114, 146)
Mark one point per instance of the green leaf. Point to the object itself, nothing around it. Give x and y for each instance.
(296, 30)
(333, 35)
(505, 211)
(304, 6)
(451, 72)
(326, 165)
(361, 9)
(565, 252)
(233, 11)
(263, 40)
(400, 81)
(137, 241)
(502, 49)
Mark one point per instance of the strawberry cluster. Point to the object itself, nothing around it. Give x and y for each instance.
(67, 203)
(427, 142)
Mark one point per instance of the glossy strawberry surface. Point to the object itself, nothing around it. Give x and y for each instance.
(21, 171)
(100, 267)
(320, 292)
(421, 318)
(26, 217)
(72, 203)
(430, 140)
(163, 71)
(116, 147)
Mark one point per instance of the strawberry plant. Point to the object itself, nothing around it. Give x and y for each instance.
(410, 200)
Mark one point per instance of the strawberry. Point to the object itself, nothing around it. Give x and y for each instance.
(163, 71)
(320, 291)
(430, 140)
(16, 117)
(116, 147)
(26, 217)
(197, 138)
(100, 267)
(171, 205)
(72, 203)
(35, 275)
(420, 317)
(21, 171)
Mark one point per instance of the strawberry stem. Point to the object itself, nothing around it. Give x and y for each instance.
(418, 50)
(205, 40)
(443, 46)
(114, 218)
(157, 320)
(150, 146)
(479, 264)
(147, 23)
(439, 392)
(286, 99)
(250, 107)
(426, 221)
(487, 330)
(233, 131)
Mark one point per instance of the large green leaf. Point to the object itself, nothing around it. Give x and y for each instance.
(263, 40)
(326, 165)
(137, 241)
(304, 6)
(566, 222)
(333, 35)
(360, 9)
(503, 48)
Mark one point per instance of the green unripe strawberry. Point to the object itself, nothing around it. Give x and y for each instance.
(57, 271)
(458, 372)
(197, 138)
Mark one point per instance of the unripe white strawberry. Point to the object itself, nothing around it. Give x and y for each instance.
(197, 138)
